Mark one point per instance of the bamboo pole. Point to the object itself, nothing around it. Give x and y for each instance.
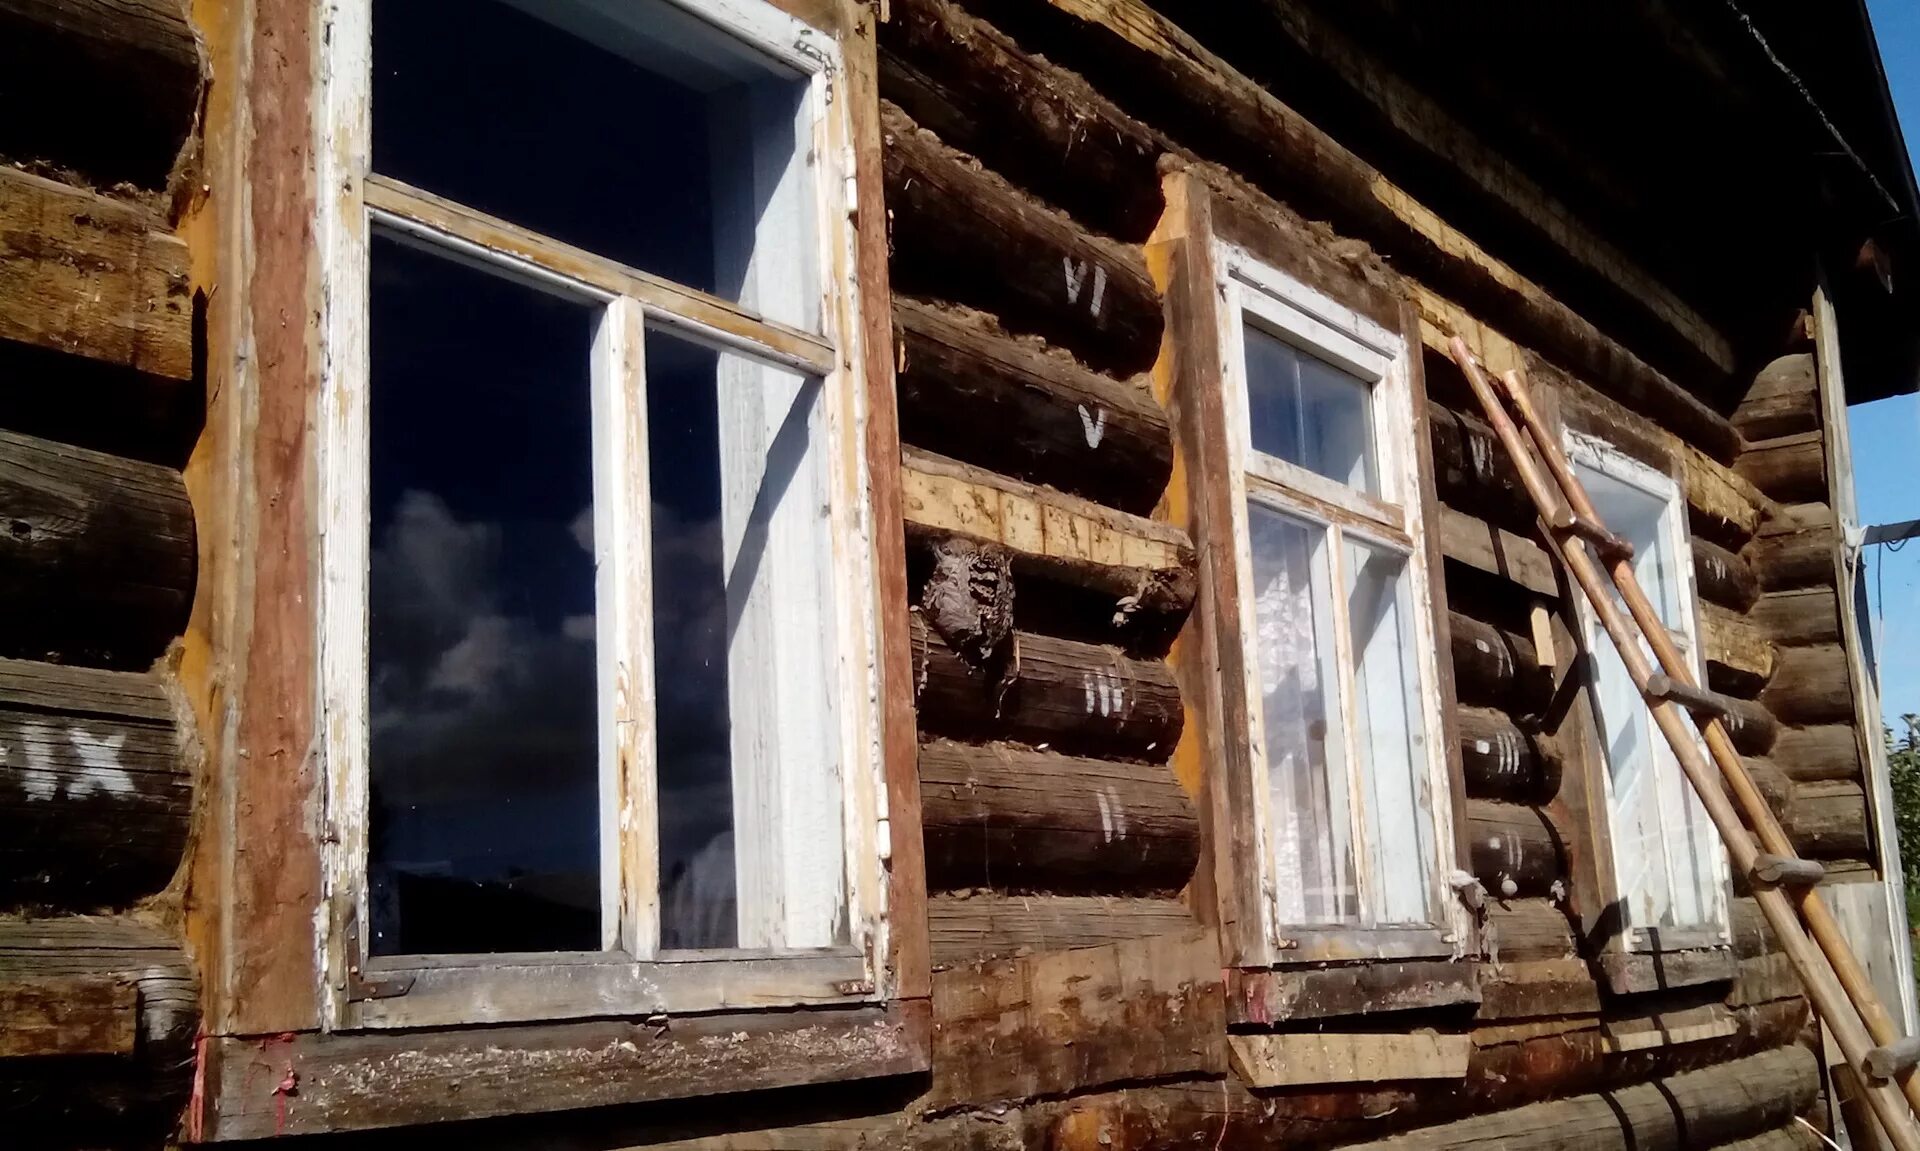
(1832, 1002)
(1760, 815)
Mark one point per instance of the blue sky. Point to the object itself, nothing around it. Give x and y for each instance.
(1886, 434)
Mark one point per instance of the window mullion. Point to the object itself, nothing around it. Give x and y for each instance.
(1363, 859)
(629, 829)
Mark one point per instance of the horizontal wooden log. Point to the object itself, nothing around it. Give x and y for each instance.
(1201, 99)
(95, 788)
(68, 1015)
(1823, 751)
(1810, 685)
(1796, 549)
(1013, 819)
(972, 926)
(1148, 564)
(1074, 698)
(1722, 577)
(131, 73)
(1795, 1136)
(1472, 471)
(1039, 125)
(1829, 820)
(1500, 761)
(1783, 401)
(1740, 657)
(970, 391)
(1138, 1010)
(126, 1100)
(1798, 618)
(97, 554)
(355, 1082)
(1263, 998)
(87, 276)
(1480, 546)
(1514, 849)
(1791, 469)
(1497, 667)
(961, 233)
(1692, 1110)
(1750, 725)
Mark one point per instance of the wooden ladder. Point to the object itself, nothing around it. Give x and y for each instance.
(1783, 884)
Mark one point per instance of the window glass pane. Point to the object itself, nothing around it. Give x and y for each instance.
(1665, 849)
(484, 772)
(1307, 412)
(751, 841)
(1310, 825)
(1392, 734)
(628, 128)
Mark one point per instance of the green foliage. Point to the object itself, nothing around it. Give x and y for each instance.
(1903, 771)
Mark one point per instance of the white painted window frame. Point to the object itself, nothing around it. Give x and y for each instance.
(1598, 455)
(631, 976)
(1392, 520)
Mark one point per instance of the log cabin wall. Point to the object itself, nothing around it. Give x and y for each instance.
(101, 405)
(1078, 993)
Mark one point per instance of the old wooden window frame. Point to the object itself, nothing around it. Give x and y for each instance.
(1245, 284)
(631, 977)
(1595, 452)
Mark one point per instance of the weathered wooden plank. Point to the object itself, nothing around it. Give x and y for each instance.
(1537, 988)
(1514, 849)
(95, 788)
(1822, 751)
(1072, 1020)
(1783, 401)
(1828, 819)
(97, 554)
(359, 1082)
(974, 926)
(1263, 998)
(1014, 819)
(1810, 686)
(1051, 535)
(91, 277)
(133, 70)
(970, 391)
(68, 1015)
(1528, 929)
(1073, 697)
(1305, 1059)
(1791, 469)
(1670, 1028)
(1695, 1109)
(1642, 973)
(961, 233)
(1740, 657)
(1474, 543)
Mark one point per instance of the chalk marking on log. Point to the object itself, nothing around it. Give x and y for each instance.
(1095, 424)
(100, 760)
(1119, 813)
(1099, 288)
(38, 779)
(1076, 274)
(1106, 817)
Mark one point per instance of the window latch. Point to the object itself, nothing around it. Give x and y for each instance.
(360, 989)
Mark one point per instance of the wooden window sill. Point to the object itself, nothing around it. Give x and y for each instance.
(1264, 997)
(310, 1083)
